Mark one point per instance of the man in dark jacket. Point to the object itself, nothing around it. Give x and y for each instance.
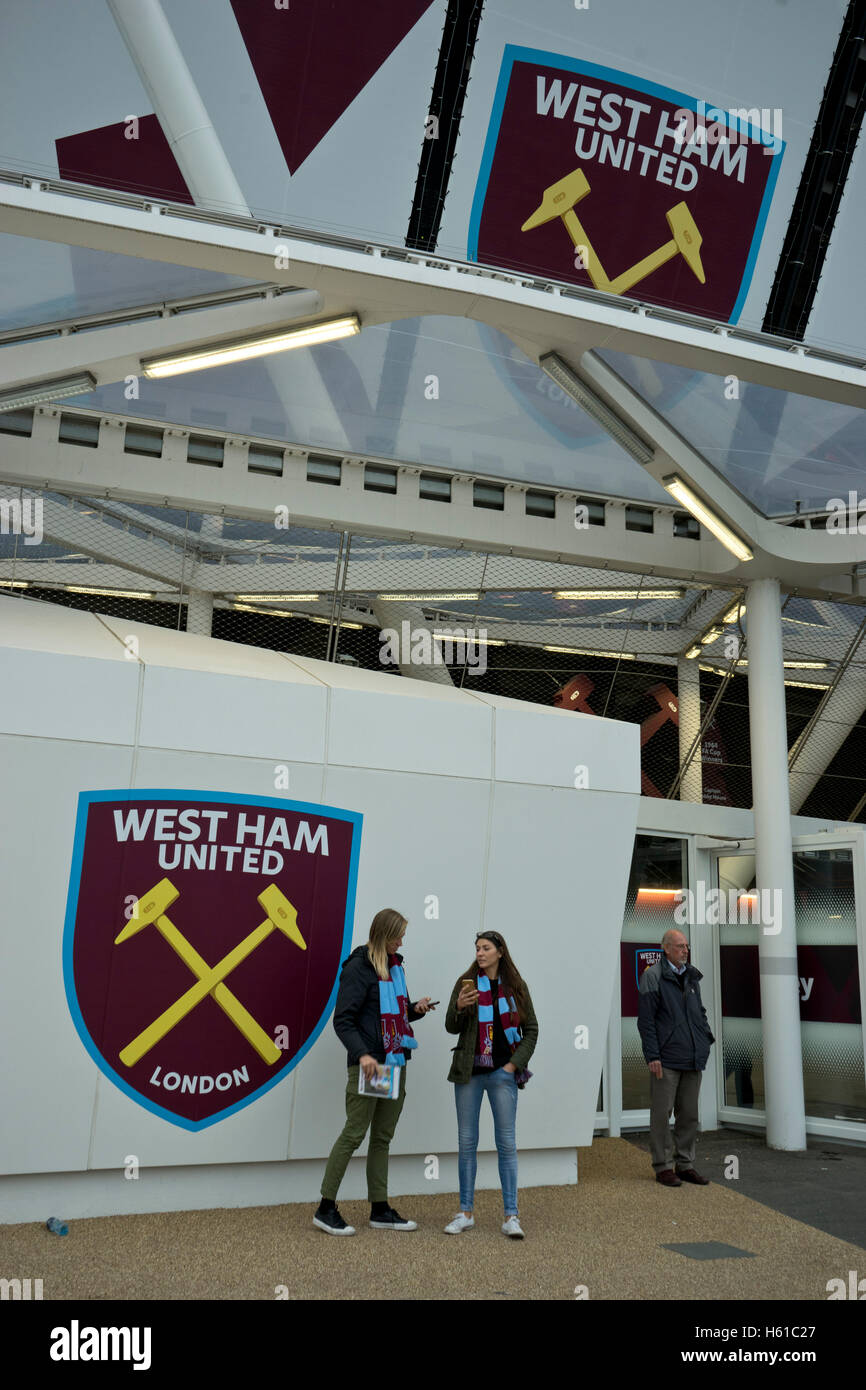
(676, 1038)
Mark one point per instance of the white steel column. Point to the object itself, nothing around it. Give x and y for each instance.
(199, 608)
(777, 944)
(199, 613)
(178, 106)
(689, 714)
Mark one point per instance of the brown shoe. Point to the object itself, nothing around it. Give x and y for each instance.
(668, 1178)
(689, 1175)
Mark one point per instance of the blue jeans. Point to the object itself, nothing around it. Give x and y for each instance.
(501, 1088)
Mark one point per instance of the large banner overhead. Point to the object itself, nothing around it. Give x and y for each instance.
(592, 176)
(667, 141)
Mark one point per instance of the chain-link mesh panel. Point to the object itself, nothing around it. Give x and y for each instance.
(591, 641)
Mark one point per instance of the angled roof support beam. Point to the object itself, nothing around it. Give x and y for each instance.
(382, 286)
(775, 548)
(114, 353)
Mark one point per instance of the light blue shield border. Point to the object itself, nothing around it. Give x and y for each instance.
(514, 54)
(85, 800)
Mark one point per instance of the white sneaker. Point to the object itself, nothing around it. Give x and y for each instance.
(460, 1223)
(511, 1227)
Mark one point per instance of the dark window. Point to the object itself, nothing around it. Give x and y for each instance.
(16, 421)
(490, 495)
(262, 460)
(685, 525)
(432, 487)
(379, 479)
(323, 470)
(638, 519)
(203, 448)
(137, 439)
(540, 503)
(594, 513)
(79, 429)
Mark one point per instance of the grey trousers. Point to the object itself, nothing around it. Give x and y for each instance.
(677, 1091)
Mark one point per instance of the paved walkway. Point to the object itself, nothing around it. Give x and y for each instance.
(607, 1235)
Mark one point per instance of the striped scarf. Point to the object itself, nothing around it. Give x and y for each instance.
(508, 1014)
(393, 1006)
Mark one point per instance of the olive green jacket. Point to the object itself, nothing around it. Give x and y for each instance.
(465, 1022)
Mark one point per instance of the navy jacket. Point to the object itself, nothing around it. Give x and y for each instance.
(357, 1020)
(672, 1022)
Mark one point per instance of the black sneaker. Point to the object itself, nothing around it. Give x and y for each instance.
(332, 1222)
(391, 1220)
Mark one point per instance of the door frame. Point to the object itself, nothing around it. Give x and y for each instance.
(850, 837)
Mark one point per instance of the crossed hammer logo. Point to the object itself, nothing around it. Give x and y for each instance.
(150, 910)
(559, 201)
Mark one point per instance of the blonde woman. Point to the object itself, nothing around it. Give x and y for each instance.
(372, 1019)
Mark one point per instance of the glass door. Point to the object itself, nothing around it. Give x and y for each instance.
(828, 889)
(659, 874)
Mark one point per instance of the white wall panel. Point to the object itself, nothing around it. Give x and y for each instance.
(229, 714)
(161, 767)
(557, 895)
(64, 694)
(257, 1133)
(534, 749)
(46, 627)
(433, 845)
(367, 730)
(48, 1081)
(423, 837)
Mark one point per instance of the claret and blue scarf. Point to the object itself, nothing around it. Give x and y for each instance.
(507, 1012)
(394, 1008)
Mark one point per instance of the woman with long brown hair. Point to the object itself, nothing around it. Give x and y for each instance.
(492, 1011)
(372, 1019)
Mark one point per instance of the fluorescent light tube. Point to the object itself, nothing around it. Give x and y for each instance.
(276, 598)
(267, 612)
(219, 355)
(424, 598)
(110, 593)
(734, 612)
(21, 396)
(470, 637)
(592, 594)
(583, 651)
(560, 372)
(722, 532)
(326, 622)
(693, 651)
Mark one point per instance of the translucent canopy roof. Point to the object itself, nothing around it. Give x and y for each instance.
(434, 390)
(46, 281)
(777, 448)
(444, 391)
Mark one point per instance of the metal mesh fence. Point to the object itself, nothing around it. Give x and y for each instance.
(590, 641)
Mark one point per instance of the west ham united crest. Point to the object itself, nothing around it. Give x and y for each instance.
(203, 939)
(644, 957)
